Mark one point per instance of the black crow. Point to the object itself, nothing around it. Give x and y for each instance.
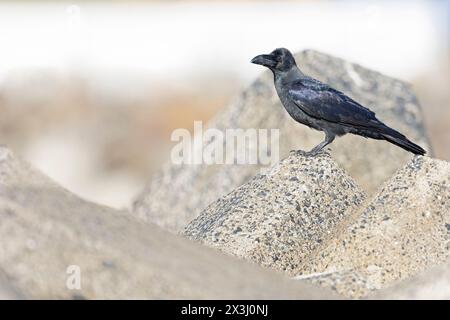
(323, 108)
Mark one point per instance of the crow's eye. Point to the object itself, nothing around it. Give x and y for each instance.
(278, 55)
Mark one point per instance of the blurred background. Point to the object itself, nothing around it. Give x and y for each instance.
(91, 91)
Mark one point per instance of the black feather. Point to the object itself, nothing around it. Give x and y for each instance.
(321, 107)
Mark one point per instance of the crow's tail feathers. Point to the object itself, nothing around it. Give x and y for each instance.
(400, 140)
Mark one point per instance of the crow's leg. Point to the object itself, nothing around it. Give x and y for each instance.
(329, 137)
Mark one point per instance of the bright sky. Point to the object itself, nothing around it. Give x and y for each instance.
(399, 38)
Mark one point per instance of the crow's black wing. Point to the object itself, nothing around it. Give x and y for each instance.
(320, 101)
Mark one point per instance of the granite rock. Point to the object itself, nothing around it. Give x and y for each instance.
(46, 229)
(278, 218)
(178, 193)
(400, 232)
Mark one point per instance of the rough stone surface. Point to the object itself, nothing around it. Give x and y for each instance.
(44, 229)
(431, 284)
(403, 230)
(277, 219)
(178, 193)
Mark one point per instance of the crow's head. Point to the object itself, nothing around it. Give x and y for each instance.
(280, 60)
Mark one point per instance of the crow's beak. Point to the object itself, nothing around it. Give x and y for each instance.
(266, 60)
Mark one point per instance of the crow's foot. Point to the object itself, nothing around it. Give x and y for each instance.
(315, 152)
(311, 153)
(298, 153)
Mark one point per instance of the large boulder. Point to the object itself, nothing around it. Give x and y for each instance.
(278, 218)
(49, 237)
(402, 231)
(178, 193)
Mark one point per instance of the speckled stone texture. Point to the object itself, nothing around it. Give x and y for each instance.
(431, 284)
(403, 230)
(178, 193)
(44, 229)
(277, 219)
